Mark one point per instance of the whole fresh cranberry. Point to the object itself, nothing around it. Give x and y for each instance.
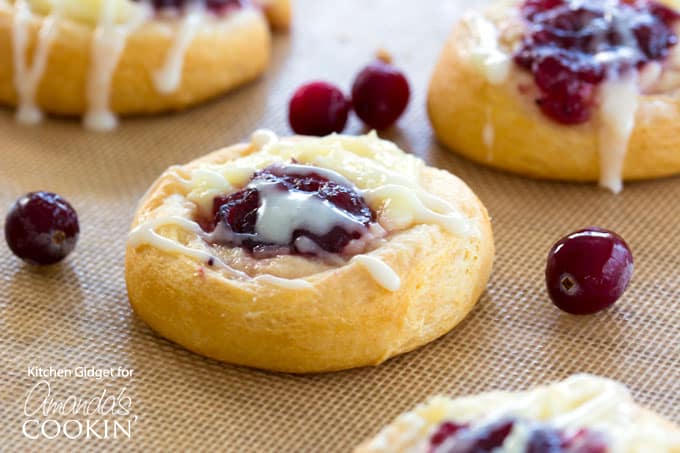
(380, 94)
(587, 271)
(41, 228)
(318, 108)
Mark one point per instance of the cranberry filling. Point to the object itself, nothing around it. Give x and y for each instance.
(219, 7)
(235, 216)
(453, 437)
(464, 439)
(445, 431)
(571, 46)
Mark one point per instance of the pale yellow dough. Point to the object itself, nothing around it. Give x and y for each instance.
(344, 319)
(580, 401)
(225, 53)
(496, 125)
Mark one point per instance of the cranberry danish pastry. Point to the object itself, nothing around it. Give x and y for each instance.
(100, 58)
(564, 89)
(583, 414)
(307, 254)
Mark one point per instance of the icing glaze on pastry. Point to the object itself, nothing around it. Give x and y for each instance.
(108, 43)
(27, 78)
(168, 78)
(615, 52)
(113, 22)
(493, 61)
(619, 101)
(283, 221)
(380, 271)
(602, 408)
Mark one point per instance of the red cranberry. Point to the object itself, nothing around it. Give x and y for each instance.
(586, 441)
(532, 7)
(215, 6)
(588, 270)
(570, 86)
(380, 94)
(550, 440)
(446, 430)
(545, 440)
(460, 439)
(491, 436)
(566, 41)
(238, 212)
(318, 108)
(41, 228)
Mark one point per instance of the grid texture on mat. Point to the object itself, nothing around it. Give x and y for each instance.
(77, 314)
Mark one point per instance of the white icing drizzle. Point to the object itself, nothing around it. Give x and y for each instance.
(263, 137)
(422, 209)
(168, 78)
(281, 213)
(487, 54)
(27, 80)
(107, 47)
(145, 234)
(381, 272)
(488, 134)
(617, 116)
(285, 283)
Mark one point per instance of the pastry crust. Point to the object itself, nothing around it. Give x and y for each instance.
(587, 401)
(225, 53)
(344, 320)
(496, 125)
(278, 13)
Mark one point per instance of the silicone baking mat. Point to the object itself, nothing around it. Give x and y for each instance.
(75, 316)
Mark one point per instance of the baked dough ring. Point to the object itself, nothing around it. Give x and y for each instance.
(495, 124)
(278, 13)
(344, 318)
(224, 53)
(581, 401)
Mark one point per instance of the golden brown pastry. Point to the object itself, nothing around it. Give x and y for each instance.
(100, 58)
(551, 89)
(307, 254)
(582, 414)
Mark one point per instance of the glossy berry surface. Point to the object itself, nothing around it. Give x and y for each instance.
(461, 438)
(218, 7)
(545, 440)
(551, 440)
(453, 438)
(445, 431)
(238, 212)
(318, 108)
(586, 441)
(380, 94)
(572, 46)
(41, 228)
(588, 270)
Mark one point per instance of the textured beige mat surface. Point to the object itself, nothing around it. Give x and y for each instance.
(76, 315)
